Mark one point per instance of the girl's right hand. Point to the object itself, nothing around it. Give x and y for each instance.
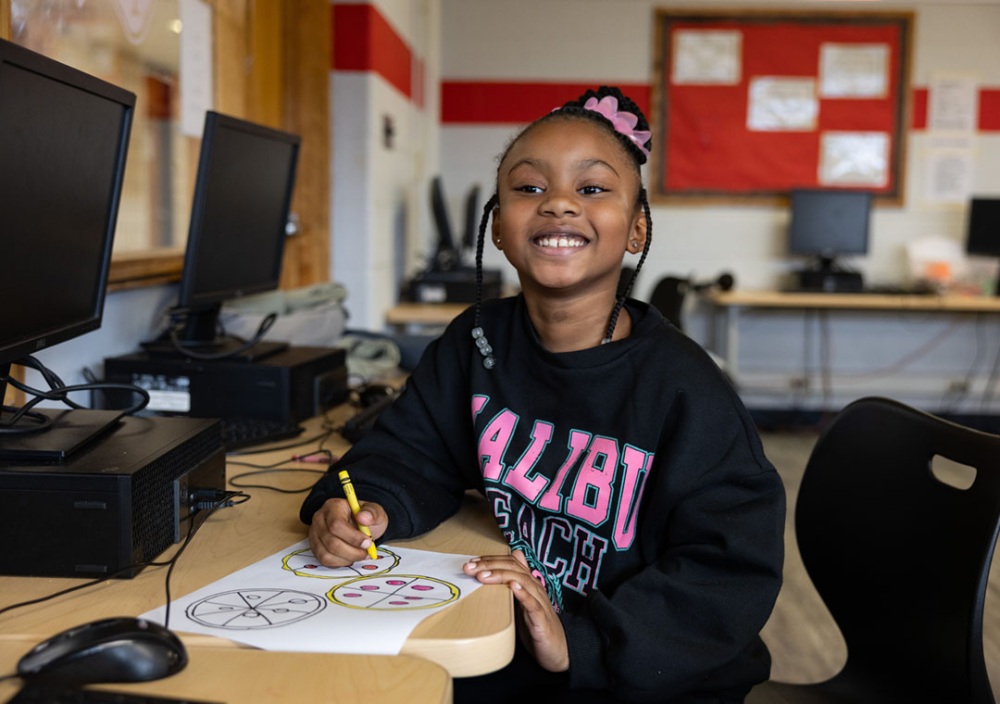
(334, 536)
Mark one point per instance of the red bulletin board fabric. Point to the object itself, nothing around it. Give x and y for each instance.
(705, 146)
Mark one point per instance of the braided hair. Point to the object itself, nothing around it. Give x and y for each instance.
(636, 147)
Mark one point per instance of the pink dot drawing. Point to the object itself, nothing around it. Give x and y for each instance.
(303, 563)
(396, 592)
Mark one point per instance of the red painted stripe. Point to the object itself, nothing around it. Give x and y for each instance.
(479, 102)
(989, 109)
(363, 40)
(918, 116)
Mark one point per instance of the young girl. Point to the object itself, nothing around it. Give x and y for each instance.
(644, 521)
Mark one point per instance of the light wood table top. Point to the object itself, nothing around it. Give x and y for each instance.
(474, 636)
(240, 675)
(855, 301)
(424, 313)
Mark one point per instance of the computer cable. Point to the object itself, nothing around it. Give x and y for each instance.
(177, 316)
(321, 456)
(58, 391)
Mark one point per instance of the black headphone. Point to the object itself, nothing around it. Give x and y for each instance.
(724, 282)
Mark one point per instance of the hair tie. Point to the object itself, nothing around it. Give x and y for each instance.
(623, 121)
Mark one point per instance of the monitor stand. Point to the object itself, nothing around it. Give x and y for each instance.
(67, 432)
(824, 276)
(198, 339)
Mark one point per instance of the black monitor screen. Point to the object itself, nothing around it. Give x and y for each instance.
(63, 140)
(983, 231)
(243, 193)
(828, 224)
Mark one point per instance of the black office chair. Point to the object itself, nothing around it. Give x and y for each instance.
(900, 557)
(670, 292)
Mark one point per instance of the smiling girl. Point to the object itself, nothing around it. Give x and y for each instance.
(644, 521)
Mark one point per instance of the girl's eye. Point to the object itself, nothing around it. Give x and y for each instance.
(591, 190)
(527, 188)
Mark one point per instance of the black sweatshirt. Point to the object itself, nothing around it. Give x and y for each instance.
(631, 476)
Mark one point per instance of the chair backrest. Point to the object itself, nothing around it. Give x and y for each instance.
(668, 298)
(900, 558)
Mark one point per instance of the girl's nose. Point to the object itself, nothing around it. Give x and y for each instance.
(560, 202)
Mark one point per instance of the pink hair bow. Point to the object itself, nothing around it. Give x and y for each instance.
(623, 121)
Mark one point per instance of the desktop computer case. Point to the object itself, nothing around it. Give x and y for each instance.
(119, 501)
(289, 386)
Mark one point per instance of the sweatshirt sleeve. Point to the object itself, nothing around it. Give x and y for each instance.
(415, 460)
(692, 616)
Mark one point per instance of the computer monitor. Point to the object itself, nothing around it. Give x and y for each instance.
(63, 141)
(826, 225)
(982, 235)
(236, 239)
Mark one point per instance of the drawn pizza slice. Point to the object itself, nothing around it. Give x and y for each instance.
(246, 609)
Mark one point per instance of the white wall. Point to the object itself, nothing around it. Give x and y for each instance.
(380, 219)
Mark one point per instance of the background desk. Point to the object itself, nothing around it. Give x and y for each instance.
(474, 636)
(242, 675)
(404, 316)
(883, 319)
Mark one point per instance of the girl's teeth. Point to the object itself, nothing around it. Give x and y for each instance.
(560, 242)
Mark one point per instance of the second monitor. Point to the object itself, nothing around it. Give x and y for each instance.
(825, 226)
(242, 198)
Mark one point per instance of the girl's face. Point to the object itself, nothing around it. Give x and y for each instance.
(568, 208)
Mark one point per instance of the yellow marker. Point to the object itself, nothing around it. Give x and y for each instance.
(352, 499)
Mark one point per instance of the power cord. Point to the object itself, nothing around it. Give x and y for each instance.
(58, 391)
(178, 315)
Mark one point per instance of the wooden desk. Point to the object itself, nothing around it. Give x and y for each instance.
(265, 677)
(423, 315)
(475, 636)
(726, 336)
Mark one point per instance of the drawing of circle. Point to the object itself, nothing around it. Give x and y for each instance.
(251, 609)
(303, 563)
(406, 591)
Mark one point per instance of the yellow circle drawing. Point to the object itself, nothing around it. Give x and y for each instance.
(303, 563)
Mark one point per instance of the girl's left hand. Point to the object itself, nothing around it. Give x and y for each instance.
(543, 632)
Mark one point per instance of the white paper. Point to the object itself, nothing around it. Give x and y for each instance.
(854, 70)
(290, 602)
(953, 104)
(854, 159)
(197, 86)
(782, 104)
(949, 175)
(708, 56)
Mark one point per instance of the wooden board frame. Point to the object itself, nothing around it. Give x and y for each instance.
(722, 167)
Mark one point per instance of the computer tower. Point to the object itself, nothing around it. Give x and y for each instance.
(457, 285)
(113, 505)
(290, 386)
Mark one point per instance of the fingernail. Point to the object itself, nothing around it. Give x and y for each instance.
(487, 573)
(516, 586)
(365, 543)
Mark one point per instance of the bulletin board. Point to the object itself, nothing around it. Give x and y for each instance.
(749, 105)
